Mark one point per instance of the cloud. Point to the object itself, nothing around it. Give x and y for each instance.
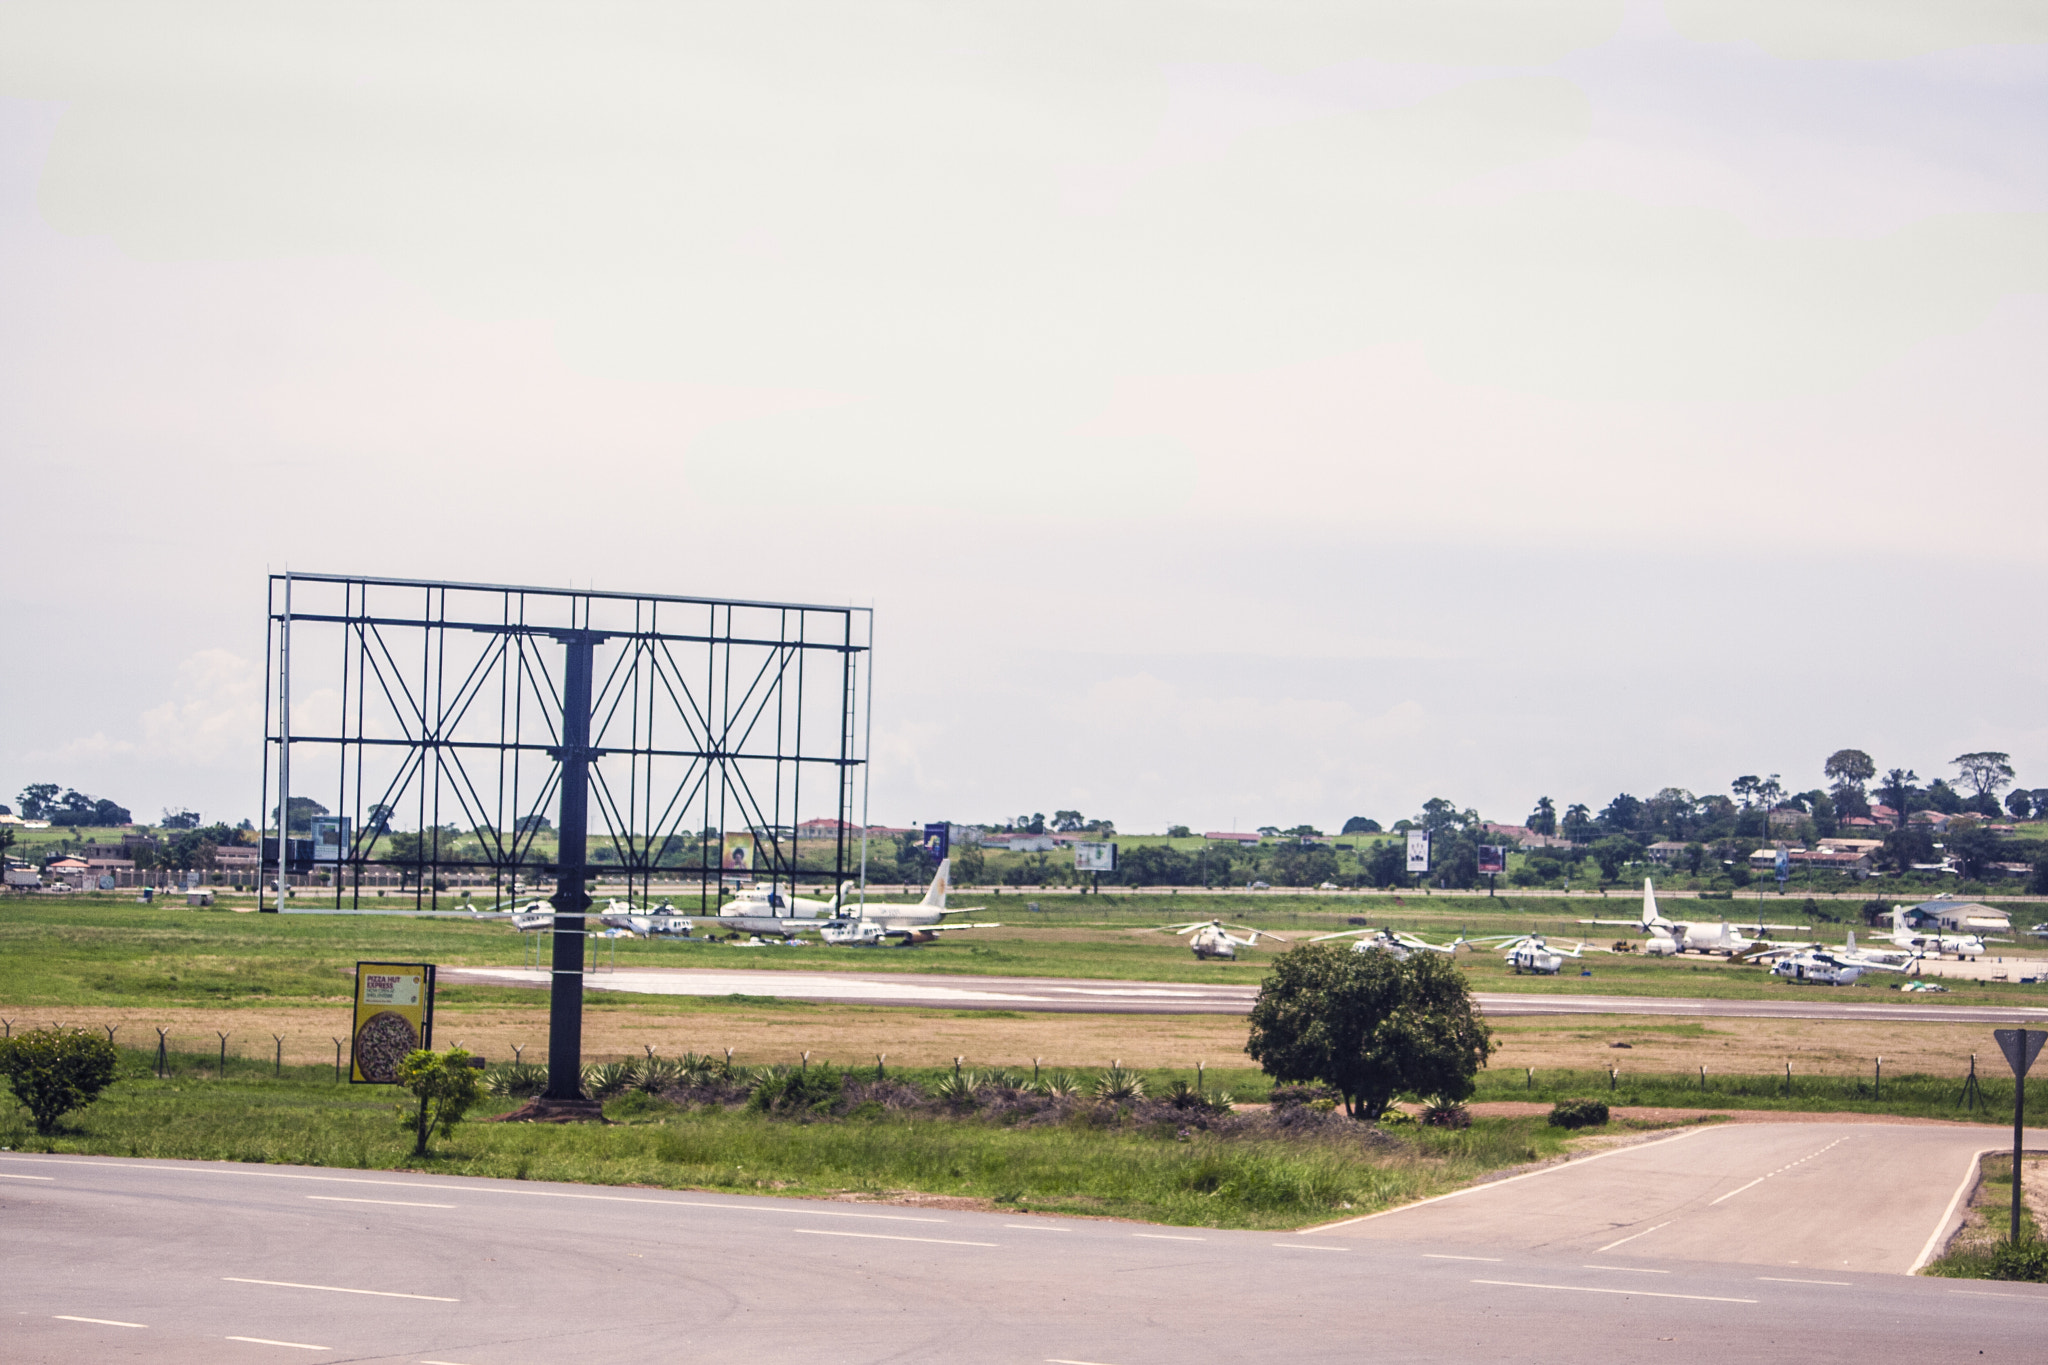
(213, 719)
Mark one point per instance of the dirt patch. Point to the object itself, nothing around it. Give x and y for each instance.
(1814, 1047)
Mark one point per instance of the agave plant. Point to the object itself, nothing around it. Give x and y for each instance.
(1057, 1085)
(1003, 1080)
(957, 1089)
(602, 1080)
(657, 1074)
(1119, 1085)
(516, 1079)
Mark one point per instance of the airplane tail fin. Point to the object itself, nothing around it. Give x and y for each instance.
(1852, 941)
(935, 894)
(1650, 915)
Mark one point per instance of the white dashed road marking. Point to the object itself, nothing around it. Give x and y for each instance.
(885, 1237)
(294, 1345)
(397, 1203)
(1780, 1171)
(104, 1322)
(1632, 1293)
(332, 1289)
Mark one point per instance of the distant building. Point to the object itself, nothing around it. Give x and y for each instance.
(1230, 836)
(1933, 819)
(1666, 851)
(1021, 843)
(1959, 917)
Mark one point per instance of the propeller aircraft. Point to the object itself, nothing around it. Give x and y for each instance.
(1211, 938)
(1398, 942)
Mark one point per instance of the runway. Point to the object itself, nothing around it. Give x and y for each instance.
(1089, 996)
(113, 1260)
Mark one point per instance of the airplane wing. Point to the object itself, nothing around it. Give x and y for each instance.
(970, 910)
(1622, 923)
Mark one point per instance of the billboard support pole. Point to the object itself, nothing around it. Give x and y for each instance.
(571, 898)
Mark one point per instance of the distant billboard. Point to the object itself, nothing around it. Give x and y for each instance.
(739, 853)
(1094, 857)
(1493, 859)
(330, 838)
(938, 841)
(1418, 850)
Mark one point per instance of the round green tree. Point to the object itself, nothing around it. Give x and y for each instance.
(1370, 1025)
(53, 1071)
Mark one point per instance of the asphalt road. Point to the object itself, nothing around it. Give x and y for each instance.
(1800, 1198)
(111, 1260)
(1089, 996)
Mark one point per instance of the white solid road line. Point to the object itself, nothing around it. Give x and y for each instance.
(104, 1322)
(1633, 1235)
(27, 1177)
(1786, 1279)
(1061, 1360)
(885, 1237)
(1306, 1246)
(295, 1345)
(1039, 1227)
(336, 1289)
(1496, 1184)
(1446, 1256)
(1780, 1171)
(395, 1203)
(1631, 1269)
(1167, 1237)
(1935, 1238)
(1632, 1293)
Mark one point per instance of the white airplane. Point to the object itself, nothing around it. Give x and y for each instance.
(1530, 953)
(1399, 943)
(1668, 938)
(1211, 938)
(1936, 944)
(869, 922)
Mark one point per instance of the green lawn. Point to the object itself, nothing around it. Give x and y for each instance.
(1264, 1182)
(112, 951)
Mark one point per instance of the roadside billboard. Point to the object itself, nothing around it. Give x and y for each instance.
(938, 841)
(394, 1014)
(1094, 857)
(739, 853)
(1493, 859)
(1418, 850)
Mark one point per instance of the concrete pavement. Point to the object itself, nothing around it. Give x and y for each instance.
(111, 1260)
(1081, 995)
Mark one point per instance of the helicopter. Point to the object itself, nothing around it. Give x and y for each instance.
(1212, 937)
(1399, 943)
(1530, 953)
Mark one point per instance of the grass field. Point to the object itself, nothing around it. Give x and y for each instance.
(111, 951)
(304, 1118)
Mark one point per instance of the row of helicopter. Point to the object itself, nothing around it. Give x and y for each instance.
(1811, 962)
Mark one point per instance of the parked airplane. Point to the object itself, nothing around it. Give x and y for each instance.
(1935, 944)
(1210, 938)
(860, 921)
(1399, 943)
(1667, 938)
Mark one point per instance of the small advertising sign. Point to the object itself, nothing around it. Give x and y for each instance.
(938, 841)
(1784, 866)
(394, 1015)
(1418, 850)
(330, 838)
(739, 853)
(1493, 859)
(1094, 857)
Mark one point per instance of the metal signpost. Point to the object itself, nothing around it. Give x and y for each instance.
(2020, 1046)
(427, 730)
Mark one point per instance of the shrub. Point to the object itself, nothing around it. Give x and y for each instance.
(808, 1093)
(1058, 1085)
(53, 1071)
(2025, 1259)
(958, 1090)
(1578, 1114)
(1443, 1113)
(446, 1086)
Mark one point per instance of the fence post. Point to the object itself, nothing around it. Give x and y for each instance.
(806, 1065)
(880, 1058)
(1971, 1098)
(1530, 1083)
(1611, 1076)
(1788, 1079)
(956, 1068)
(278, 1069)
(1877, 1084)
(110, 1028)
(516, 1049)
(223, 1055)
(8, 1025)
(337, 1061)
(162, 1061)
(1198, 1076)
(1703, 1078)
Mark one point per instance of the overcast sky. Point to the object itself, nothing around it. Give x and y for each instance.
(1234, 412)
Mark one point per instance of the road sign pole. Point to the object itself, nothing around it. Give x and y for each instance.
(2021, 1047)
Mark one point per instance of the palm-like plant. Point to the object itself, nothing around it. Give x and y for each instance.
(1119, 1085)
(602, 1080)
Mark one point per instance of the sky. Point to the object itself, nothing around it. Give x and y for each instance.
(1234, 413)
